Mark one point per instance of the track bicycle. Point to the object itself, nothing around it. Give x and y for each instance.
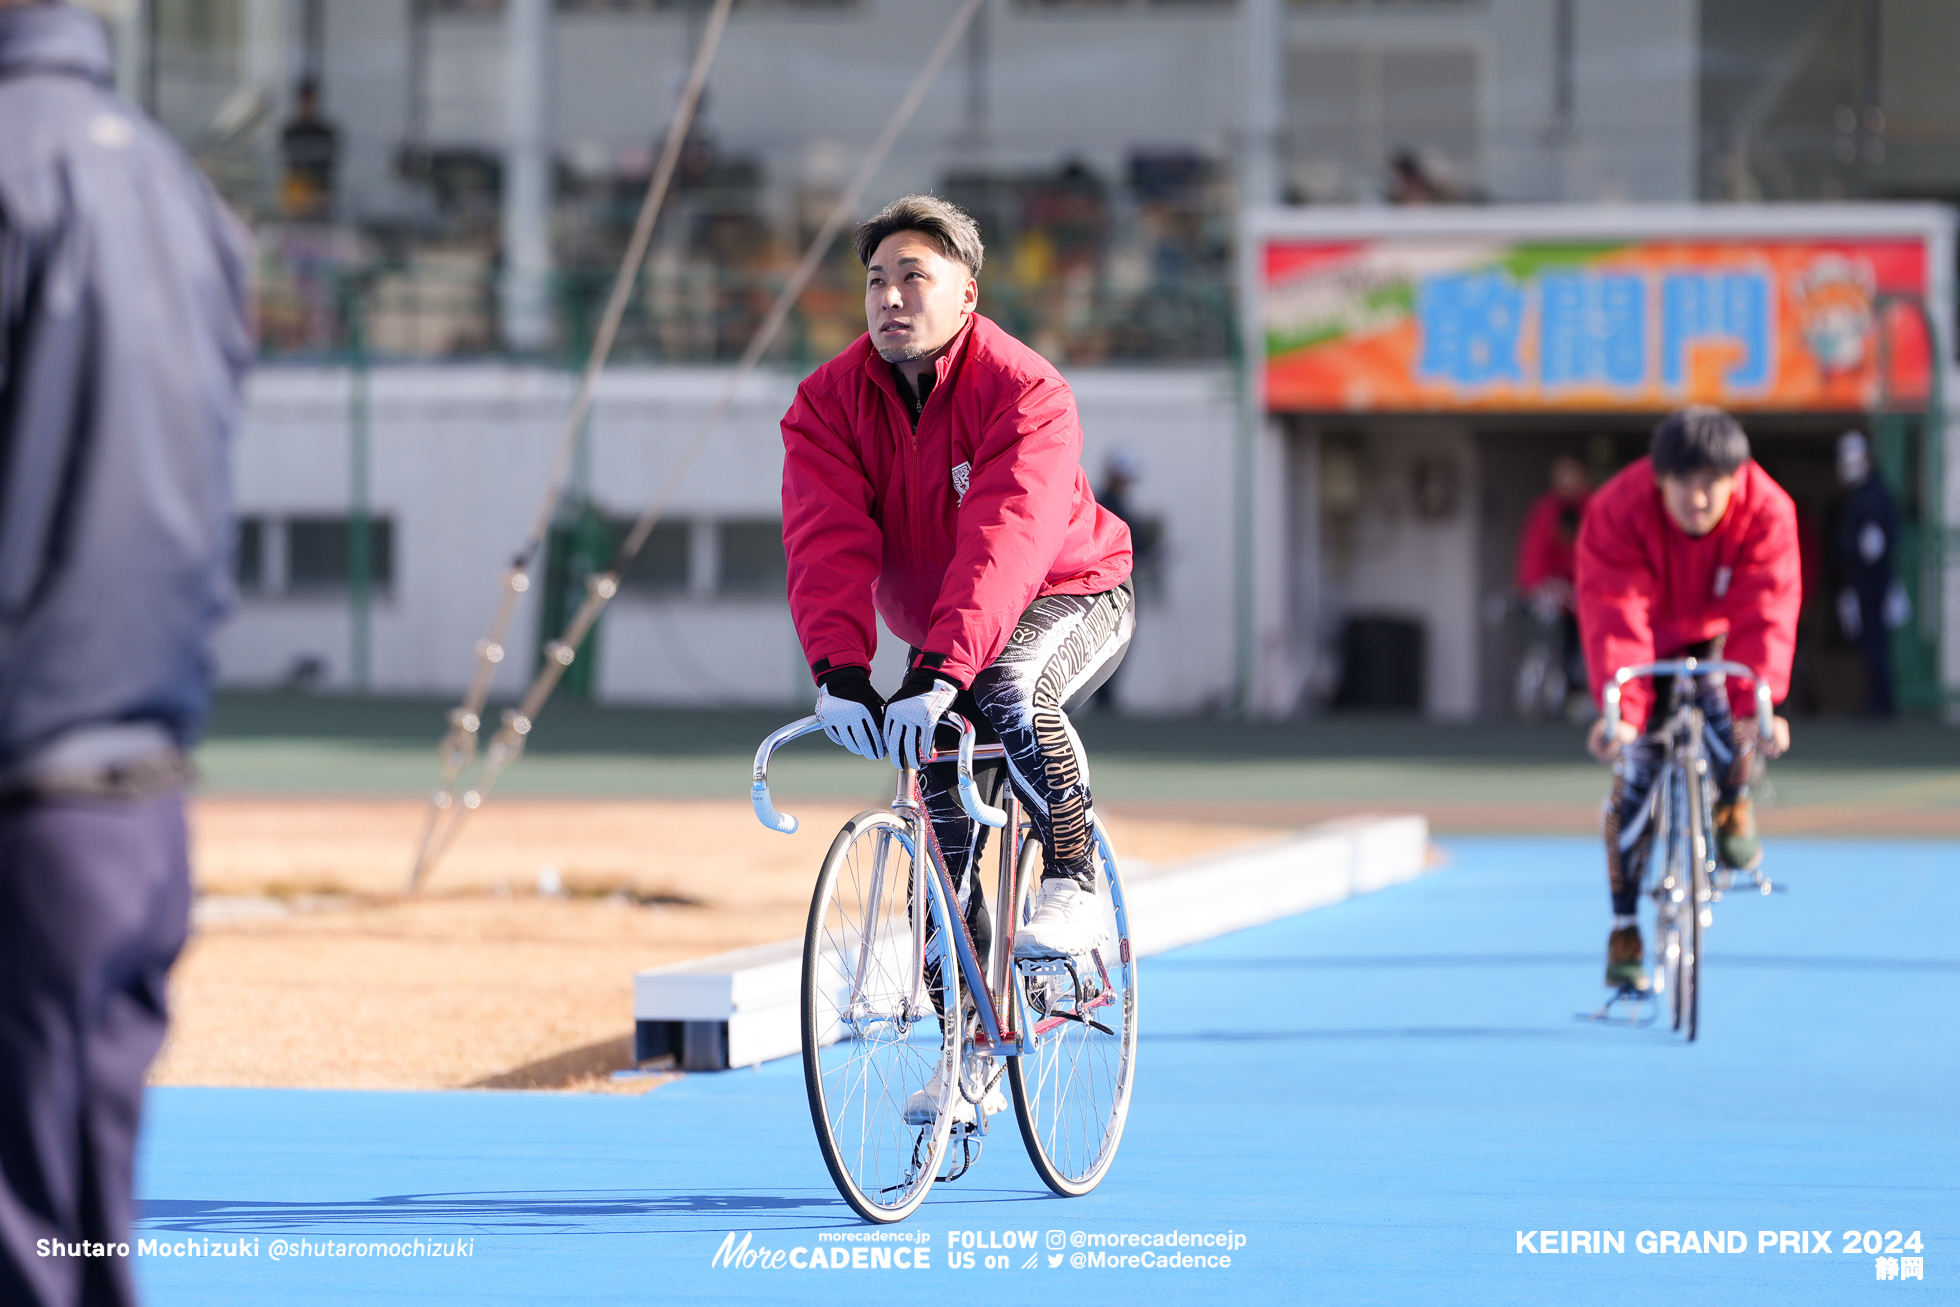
(894, 990)
(1549, 667)
(1685, 879)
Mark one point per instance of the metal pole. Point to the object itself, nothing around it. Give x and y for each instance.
(129, 33)
(1241, 512)
(527, 178)
(1871, 91)
(152, 31)
(1264, 52)
(1564, 96)
(360, 544)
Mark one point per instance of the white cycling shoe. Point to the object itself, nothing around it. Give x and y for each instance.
(922, 1107)
(1068, 922)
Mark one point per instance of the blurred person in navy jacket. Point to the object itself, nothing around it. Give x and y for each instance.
(124, 340)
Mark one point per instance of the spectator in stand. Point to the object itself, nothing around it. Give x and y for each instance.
(311, 146)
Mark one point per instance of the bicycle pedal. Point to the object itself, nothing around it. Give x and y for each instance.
(967, 1136)
(1635, 1007)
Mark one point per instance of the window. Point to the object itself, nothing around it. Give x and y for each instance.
(638, 6)
(317, 553)
(1127, 4)
(1383, 4)
(661, 566)
(1356, 118)
(752, 561)
(248, 555)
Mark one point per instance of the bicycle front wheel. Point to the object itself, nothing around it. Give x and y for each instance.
(1700, 894)
(1072, 1083)
(874, 983)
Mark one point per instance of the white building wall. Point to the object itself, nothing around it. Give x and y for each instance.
(459, 457)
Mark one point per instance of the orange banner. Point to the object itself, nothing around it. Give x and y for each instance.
(1406, 325)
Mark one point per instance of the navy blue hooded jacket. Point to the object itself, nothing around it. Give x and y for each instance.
(125, 334)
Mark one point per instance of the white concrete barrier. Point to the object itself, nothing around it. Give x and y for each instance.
(737, 1009)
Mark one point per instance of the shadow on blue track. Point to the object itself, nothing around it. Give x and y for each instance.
(514, 1211)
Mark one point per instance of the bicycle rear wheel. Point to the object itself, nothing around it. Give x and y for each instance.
(1072, 1084)
(871, 1034)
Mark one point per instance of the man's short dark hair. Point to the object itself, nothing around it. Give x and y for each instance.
(1702, 438)
(948, 225)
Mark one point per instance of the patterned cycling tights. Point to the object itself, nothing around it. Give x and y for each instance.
(1061, 651)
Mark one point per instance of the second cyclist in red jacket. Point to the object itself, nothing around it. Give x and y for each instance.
(932, 475)
(1690, 552)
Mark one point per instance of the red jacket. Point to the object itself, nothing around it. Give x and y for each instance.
(955, 528)
(1544, 546)
(1648, 590)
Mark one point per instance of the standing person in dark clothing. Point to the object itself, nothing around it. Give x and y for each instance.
(124, 339)
(1119, 475)
(1872, 603)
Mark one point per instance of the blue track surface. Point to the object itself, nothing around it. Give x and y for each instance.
(1378, 1097)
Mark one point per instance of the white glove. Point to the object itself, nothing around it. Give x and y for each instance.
(1898, 606)
(849, 723)
(1850, 616)
(909, 723)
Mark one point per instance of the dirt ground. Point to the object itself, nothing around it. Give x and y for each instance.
(308, 965)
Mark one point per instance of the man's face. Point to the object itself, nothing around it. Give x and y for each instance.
(1696, 501)
(915, 298)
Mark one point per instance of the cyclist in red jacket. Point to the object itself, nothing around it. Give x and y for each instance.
(932, 473)
(1690, 552)
(1551, 532)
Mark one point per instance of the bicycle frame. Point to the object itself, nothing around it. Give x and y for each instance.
(1005, 1030)
(1683, 781)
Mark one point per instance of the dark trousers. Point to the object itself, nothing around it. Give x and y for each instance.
(1875, 646)
(94, 907)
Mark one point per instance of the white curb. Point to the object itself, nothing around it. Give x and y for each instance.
(740, 1008)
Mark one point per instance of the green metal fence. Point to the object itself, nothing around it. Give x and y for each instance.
(1909, 452)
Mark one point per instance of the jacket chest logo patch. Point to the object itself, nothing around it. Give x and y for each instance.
(962, 477)
(1722, 578)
